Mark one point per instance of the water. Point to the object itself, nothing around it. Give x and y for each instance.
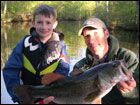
(75, 45)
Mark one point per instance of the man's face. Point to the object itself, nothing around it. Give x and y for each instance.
(44, 25)
(96, 40)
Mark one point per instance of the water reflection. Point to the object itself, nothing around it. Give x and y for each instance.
(75, 46)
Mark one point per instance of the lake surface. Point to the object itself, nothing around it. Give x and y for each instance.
(75, 45)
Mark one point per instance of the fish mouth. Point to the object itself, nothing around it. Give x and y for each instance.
(125, 70)
(123, 67)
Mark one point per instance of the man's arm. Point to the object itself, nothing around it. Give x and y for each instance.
(131, 62)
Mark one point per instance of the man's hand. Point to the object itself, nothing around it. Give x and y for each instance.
(126, 86)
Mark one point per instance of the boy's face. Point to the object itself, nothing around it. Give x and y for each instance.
(44, 25)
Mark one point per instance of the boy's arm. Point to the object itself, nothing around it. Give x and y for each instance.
(50, 77)
(12, 69)
(64, 63)
(61, 71)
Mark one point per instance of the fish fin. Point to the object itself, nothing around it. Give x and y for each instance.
(97, 101)
(24, 93)
(101, 95)
(51, 77)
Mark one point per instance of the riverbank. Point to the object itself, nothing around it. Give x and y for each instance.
(25, 19)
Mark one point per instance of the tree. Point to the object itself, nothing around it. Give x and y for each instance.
(96, 8)
(5, 9)
(107, 14)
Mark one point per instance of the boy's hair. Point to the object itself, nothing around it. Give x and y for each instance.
(45, 10)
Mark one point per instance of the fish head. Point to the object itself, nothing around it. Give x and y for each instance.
(121, 71)
(112, 73)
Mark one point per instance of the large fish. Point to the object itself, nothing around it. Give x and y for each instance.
(84, 88)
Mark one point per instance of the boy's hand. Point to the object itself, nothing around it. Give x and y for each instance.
(50, 77)
(126, 86)
(47, 100)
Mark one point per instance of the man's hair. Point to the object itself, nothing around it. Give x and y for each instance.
(45, 10)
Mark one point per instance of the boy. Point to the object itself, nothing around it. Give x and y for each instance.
(41, 54)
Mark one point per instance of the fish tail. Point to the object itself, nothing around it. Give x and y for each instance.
(24, 93)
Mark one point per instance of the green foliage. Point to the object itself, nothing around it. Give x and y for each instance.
(121, 13)
(124, 14)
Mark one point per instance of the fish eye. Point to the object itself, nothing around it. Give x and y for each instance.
(114, 64)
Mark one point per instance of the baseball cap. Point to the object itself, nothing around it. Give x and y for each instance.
(92, 22)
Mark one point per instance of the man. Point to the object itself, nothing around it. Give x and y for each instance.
(102, 47)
